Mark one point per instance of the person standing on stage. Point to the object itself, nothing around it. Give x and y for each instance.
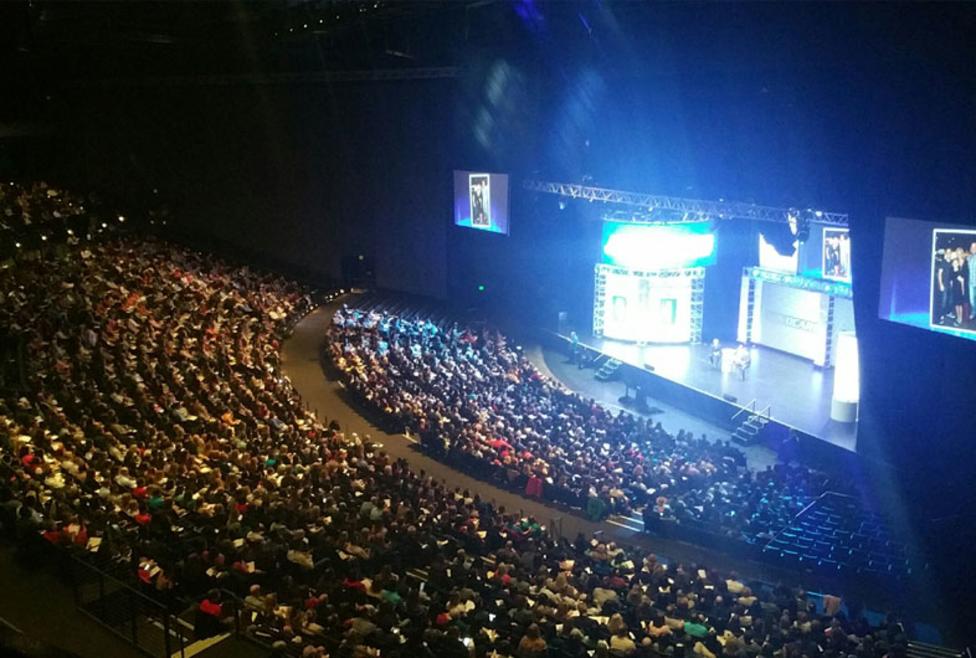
(742, 360)
(575, 345)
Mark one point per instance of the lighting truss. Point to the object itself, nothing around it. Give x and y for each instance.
(687, 210)
(657, 216)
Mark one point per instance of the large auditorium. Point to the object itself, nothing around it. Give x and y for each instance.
(487, 329)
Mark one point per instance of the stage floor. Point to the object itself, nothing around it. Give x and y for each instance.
(798, 393)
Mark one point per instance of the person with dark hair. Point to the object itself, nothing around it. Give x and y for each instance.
(942, 304)
(957, 287)
(532, 644)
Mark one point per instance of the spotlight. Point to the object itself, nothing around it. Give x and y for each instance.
(17, 244)
(104, 225)
(44, 238)
(803, 226)
(121, 218)
(799, 223)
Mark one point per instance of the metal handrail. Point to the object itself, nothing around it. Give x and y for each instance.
(751, 406)
(817, 499)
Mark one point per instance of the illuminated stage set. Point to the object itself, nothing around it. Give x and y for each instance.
(790, 362)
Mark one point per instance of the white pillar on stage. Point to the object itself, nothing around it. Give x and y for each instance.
(847, 379)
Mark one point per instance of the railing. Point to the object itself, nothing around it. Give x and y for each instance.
(753, 412)
(148, 624)
(750, 407)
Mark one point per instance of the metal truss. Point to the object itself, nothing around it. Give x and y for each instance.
(829, 288)
(697, 305)
(680, 209)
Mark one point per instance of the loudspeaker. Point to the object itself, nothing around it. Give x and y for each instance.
(730, 398)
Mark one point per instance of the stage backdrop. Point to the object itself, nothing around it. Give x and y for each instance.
(791, 320)
(648, 308)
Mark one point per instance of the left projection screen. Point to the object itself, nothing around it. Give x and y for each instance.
(481, 201)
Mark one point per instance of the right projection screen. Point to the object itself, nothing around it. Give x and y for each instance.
(928, 276)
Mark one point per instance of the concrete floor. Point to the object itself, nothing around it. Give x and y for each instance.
(37, 601)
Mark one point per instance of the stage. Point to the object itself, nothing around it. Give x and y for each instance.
(797, 392)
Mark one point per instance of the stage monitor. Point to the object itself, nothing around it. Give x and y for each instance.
(652, 247)
(481, 201)
(928, 276)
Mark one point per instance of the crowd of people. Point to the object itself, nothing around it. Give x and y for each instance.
(160, 435)
(31, 213)
(482, 405)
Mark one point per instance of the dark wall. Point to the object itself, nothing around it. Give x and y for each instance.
(298, 174)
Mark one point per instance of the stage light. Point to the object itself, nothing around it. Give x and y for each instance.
(121, 218)
(104, 225)
(44, 238)
(481, 287)
(16, 244)
(799, 223)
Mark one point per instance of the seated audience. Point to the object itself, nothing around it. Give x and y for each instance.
(160, 435)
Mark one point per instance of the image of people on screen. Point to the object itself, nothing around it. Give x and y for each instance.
(954, 279)
(837, 254)
(478, 189)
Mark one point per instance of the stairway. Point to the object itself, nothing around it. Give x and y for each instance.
(750, 430)
(607, 370)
